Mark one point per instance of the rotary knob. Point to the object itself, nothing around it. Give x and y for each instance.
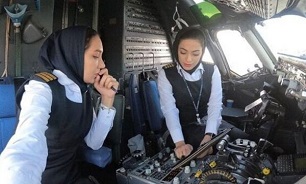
(160, 155)
(176, 180)
(148, 171)
(172, 156)
(168, 150)
(156, 163)
(187, 169)
(192, 163)
(151, 166)
(122, 170)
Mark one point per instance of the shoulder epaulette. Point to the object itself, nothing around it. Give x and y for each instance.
(170, 65)
(46, 76)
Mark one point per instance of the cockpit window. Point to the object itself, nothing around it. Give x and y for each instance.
(207, 57)
(240, 56)
(285, 35)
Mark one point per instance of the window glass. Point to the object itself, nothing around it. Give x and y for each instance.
(286, 35)
(207, 57)
(239, 54)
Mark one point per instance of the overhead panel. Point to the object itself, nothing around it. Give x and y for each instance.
(262, 8)
(145, 45)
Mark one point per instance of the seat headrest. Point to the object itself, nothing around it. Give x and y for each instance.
(7, 100)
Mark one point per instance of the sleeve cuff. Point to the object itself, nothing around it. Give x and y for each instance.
(177, 135)
(108, 109)
(212, 128)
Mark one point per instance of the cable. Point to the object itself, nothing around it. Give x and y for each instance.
(7, 34)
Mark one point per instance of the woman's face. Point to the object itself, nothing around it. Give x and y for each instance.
(189, 53)
(93, 62)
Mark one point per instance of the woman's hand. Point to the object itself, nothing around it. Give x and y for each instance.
(209, 150)
(182, 149)
(106, 85)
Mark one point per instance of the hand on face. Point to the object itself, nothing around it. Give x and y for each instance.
(96, 73)
(105, 83)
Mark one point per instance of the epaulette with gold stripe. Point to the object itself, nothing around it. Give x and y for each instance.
(170, 65)
(46, 76)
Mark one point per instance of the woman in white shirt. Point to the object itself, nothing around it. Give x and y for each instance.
(189, 91)
(57, 113)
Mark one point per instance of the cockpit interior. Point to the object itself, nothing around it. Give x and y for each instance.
(259, 47)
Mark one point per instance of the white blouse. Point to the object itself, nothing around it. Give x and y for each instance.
(24, 158)
(171, 112)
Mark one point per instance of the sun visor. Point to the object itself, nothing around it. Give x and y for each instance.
(209, 11)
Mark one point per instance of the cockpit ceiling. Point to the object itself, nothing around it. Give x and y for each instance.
(231, 9)
(262, 8)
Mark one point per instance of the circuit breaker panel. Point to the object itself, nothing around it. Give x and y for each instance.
(143, 42)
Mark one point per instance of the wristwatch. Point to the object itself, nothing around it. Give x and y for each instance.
(103, 107)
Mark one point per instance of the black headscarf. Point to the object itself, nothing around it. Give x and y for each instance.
(64, 50)
(182, 33)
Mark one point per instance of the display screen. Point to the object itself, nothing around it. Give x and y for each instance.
(300, 163)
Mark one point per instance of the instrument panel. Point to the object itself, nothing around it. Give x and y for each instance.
(237, 161)
(158, 169)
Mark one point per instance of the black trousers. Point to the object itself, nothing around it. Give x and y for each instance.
(83, 181)
(88, 180)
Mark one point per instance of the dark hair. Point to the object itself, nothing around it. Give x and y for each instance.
(194, 34)
(89, 34)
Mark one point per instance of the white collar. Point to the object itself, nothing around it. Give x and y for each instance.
(200, 69)
(73, 91)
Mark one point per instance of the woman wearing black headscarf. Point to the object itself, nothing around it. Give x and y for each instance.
(190, 90)
(191, 96)
(57, 113)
